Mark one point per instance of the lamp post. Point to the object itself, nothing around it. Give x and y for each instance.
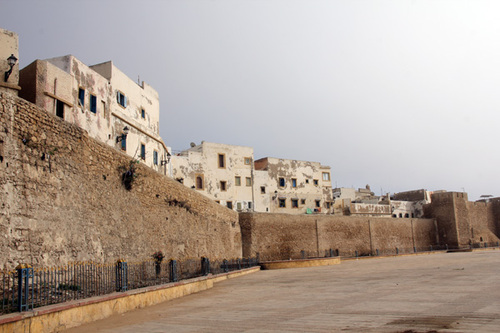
(11, 61)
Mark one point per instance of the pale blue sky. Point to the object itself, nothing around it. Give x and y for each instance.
(397, 94)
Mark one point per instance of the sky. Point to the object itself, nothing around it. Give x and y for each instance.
(400, 95)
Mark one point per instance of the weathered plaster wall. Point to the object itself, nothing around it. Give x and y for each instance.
(283, 236)
(308, 186)
(9, 44)
(203, 161)
(62, 200)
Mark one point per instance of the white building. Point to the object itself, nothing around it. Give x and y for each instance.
(101, 100)
(219, 171)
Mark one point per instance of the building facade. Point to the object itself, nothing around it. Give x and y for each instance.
(9, 48)
(219, 171)
(292, 187)
(101, 100)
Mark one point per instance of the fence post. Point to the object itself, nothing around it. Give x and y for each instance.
(24, 273)
(397, 251)
(239, 263)
(356, 252)
(446, 247)
(303, 254)
(121, 275)
(414, 249)
(225, 269)
(172, 265)
(377, 253)
(205, 266)
(431, 248)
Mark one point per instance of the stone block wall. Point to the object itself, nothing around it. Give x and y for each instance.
(284, 236)
(62, 199)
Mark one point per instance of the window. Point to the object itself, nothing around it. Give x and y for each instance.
(307, 181)
(237, 181)
(294, 182)
(262, 190)
(282, 182)
(295, 203)
(143, 114)
(143, 151)
(103, 108)
(81, 97)
(155, 157)
(326, 176)
(121, 99)
(249, 181)
(218, 201)
(249, 205)
(318, 203)
(282, 203)
(328, 204)
(247, 160)
(229, 204)
(238, 205)
(223, 185)
(124, 143)
(59, 109)
(222, 160)
(199, 182)
(302, 201)
(315, 181)
(93, 104)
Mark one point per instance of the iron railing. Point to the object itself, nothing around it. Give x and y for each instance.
(26, 288)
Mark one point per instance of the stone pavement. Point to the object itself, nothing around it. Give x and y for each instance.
(445, 292)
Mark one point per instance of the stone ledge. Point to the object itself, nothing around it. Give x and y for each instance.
(300, 263)
(56, 317)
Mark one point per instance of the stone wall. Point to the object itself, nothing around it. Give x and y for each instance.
(284, 236)
(62, 199)
(462, 223)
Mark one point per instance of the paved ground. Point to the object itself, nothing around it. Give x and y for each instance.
(449, 292)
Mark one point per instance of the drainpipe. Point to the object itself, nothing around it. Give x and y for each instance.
(253, 185)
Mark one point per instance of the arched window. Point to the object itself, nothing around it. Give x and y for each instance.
(199, 182)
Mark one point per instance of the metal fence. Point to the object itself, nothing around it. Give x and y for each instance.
(26, 288)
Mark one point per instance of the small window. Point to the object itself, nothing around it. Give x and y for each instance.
(315, 182)
(282, 182)
(248, 160)
(229, 204)
(294, 182)
(124, 143)
(222, 160)
(238, 205)
(199, 182)
(302, 201)
(318, 203)
(81, 97)
(223, 185)
(282, 203)
(93, 104)
(328, 204)
(103, 103)
(326, 176)
(295, 203)
(143, 151)
(307, 181)
(121, 99)
(155, 157)
(262, 190)
(249, 205)
(249, 181)
(218, 201)
(143, 114)
(237, 181)
(59, 109)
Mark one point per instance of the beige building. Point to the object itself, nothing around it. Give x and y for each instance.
(293, 187)
(101, 100)
(219, 171)
(9, 64)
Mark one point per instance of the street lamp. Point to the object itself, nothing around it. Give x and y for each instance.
(11, 61)
(123, 136)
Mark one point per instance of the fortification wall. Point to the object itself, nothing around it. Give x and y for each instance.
(283, 236)
(462, 223)
(62, 199)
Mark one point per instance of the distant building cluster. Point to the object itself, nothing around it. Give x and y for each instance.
(124, 114)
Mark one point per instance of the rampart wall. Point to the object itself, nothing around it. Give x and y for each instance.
(462, 223)
(284, 236)
(62, 199)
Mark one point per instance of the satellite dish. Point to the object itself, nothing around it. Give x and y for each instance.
(192, 144)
